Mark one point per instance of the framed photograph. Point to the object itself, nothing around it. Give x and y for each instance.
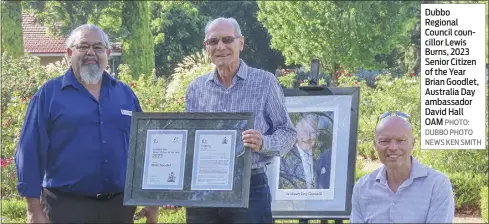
(315, 178)
(188, 159)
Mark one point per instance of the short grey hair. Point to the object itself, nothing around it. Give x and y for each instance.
(70, 42)
(237, 29)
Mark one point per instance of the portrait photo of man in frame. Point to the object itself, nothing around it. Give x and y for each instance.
(308, 164)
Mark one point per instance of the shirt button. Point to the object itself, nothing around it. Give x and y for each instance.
(106, 180)
(101, 122)
(104, 141)
(105, 161)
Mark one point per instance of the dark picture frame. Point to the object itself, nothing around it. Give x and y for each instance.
(341, 106)
(189, 123)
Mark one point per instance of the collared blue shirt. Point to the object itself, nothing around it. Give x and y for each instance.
(72, 142)
(252, 90)
(425, 197)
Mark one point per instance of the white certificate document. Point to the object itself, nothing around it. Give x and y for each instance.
(214, 157)
(164, 162)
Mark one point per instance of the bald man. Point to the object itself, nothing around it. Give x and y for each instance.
(402, 190)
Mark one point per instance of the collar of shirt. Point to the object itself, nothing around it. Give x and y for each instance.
(70, 80)
(303, 152)
(417, 170)
(242, 73)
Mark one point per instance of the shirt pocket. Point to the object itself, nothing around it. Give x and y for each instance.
(124, 119)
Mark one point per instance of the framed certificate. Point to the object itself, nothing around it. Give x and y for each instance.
(315, 178)
(188, 159)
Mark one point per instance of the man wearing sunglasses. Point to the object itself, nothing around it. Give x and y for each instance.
(402, 190)
(233, 86)
(72, 153)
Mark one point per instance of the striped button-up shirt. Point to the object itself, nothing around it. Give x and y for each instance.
(425, 197)
(252, 90)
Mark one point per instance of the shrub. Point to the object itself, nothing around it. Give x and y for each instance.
(359, 172)
(190, 68)
(9, 179)
(12, 121)
(14, 211)
(484, 194)
(456, 161)
(150, 92)
(25, 75)
(467, 188)
(287, 80)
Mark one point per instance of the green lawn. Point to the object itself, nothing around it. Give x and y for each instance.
(14, 211)
(178, 216)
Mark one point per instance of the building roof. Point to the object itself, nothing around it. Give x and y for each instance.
(37, 41)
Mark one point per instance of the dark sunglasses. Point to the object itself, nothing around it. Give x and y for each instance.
(393, 113)
(214, 41)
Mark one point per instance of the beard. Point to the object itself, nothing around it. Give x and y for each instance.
(91, 73)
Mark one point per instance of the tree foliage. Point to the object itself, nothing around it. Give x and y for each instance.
(350, 34)
(257, 51)
(177, 29)
(60, 17)
(137, 40)
(12, 41)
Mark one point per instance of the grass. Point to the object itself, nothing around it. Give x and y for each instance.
(14, 211)
(178, 216)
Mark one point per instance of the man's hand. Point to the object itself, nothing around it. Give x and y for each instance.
(37, 217)
(253, 139)
(35, 213)
(151, 214)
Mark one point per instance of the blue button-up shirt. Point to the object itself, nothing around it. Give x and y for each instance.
(252, 90)
(72, 142)
(425, 197)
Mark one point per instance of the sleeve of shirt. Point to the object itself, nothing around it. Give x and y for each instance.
(356, 211)
(137, 103)
(189, 98)
(31, 152)
(283, 134)
(442, 206)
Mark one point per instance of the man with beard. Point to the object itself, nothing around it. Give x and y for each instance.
(233, 86)
(72, 153)
(402, 190)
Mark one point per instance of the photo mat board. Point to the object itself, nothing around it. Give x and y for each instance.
(315, 178)
(160, 174)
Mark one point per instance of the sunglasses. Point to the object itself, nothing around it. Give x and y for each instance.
(214, 41)
(393, 113)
